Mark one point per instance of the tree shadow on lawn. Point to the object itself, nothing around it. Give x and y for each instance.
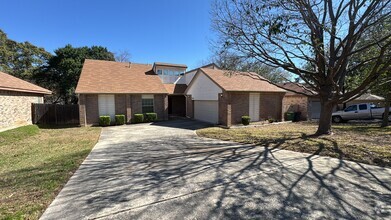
(203, 178)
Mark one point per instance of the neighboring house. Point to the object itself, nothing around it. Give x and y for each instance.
(206, 94)
(295, 102)
(310, 107)
(16, 96)
(366, 98)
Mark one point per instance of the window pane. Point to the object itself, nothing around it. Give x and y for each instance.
(159, 72)
(147, 109)
(147, 102)
(362, 107)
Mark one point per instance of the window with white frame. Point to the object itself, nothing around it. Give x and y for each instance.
(147, 103)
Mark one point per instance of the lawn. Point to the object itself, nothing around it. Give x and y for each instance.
(36, 163)
(366, 143)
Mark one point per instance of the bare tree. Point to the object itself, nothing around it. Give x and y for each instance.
(295, 34)
(230, 61)
(122, 56)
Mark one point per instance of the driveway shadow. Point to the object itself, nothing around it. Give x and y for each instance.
(183, 176)
(188, 124)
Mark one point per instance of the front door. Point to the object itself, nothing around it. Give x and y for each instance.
(254, 106)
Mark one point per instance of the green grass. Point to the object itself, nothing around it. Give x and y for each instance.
(36, 163)
(366, 143)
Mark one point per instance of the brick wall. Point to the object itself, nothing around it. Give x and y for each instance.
(136, 104)
(240, 106)
(82, 110)
(189, 107)
(92, 109)
(271, 106)
(224, 109)
(15, 107)
(129, 116)
(296, 103)
(127, 104)
(120, 104)
(161, 106)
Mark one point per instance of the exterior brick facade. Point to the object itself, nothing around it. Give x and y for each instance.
(161, 106)
(15, 107)
(120, 104)
(189, 107)
(296, 103)
(239, 106)
(126, 104)
(271, 106)
(234, 105)
(92, 109)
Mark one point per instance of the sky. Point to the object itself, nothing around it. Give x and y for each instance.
(175, 31)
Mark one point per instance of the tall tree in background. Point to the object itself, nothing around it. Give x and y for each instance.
(63, 70)
(324, 34)
(230, 61)
(21, 59)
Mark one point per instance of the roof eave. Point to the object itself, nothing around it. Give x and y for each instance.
(48, 92)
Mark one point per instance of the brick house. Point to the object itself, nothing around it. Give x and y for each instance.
(16, 96)
(223, 97)
(296, 102)
(110, 88)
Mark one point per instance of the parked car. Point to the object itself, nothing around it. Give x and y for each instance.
(363, 111)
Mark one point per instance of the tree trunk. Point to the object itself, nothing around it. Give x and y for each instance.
(326, 110)
(385, 122)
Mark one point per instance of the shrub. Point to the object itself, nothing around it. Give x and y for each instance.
(120, 119)
(246, 120)
(271, 120)
(289, 116)
(104, 120)
(138, 118)
(150, 117)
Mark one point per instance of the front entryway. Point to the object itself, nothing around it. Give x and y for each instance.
(177, 105)
(254, 106)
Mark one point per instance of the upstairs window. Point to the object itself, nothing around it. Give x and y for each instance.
(159, 72)
(147, 103)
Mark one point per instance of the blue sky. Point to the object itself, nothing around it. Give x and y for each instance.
(161, 30)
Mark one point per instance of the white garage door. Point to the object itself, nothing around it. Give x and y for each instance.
(207, 111)
(107, 106)
(315, 110)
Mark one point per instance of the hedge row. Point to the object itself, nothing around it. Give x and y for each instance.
(120, 119)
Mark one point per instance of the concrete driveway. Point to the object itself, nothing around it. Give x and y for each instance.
(164, 171)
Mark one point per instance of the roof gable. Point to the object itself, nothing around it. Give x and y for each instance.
(240, 81)
(12, 83)
(99, 76)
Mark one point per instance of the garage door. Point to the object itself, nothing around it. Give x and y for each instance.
(315, 110)
(107, 106)
(207, 111)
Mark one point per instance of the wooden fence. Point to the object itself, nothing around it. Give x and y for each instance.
(52, 114)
